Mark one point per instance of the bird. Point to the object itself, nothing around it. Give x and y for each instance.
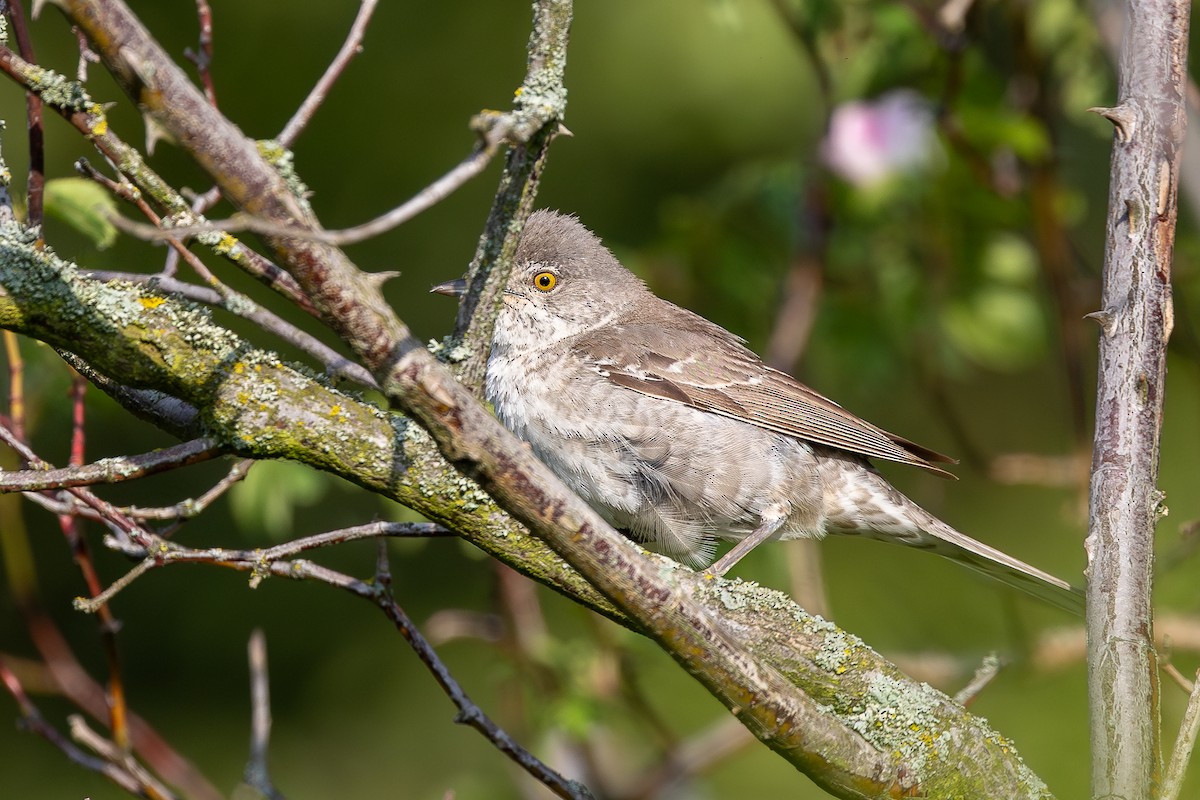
(678, 435)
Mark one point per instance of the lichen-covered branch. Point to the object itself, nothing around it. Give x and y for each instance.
(828, 703)
(1135, 321)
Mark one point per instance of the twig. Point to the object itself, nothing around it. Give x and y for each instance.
(1180, 679)
(78, 418)
(111, 470)
(349, 49)
(257, 776)
(147, 784)
(35, 722)
(86, 54)
(87, 116)
(432, 194)
(33, 117)
(203, 58)
(186, 509)
(16, 384)
(108, 512)
(271, 561)
(1189, 727)
(468, 713)
(697, 755)
(984, 675)
(70, 679)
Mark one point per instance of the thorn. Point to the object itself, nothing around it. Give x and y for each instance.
(378, 279)
(1104, 317)
(563, 130)
(155, 133)
(1122, 118)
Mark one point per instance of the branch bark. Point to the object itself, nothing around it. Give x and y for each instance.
(1150, 120)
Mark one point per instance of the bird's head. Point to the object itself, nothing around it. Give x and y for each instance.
(564, 282)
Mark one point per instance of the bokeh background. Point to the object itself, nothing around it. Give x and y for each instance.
(952, 229)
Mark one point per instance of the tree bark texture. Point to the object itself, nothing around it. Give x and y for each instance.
(1135, 319)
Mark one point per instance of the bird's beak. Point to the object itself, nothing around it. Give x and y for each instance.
(455, 288)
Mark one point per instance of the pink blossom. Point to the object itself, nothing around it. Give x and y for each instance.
(869, 141)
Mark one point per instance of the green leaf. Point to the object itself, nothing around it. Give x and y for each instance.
(267, 499)
(84, 206)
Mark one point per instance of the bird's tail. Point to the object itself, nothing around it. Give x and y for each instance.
(881, 512)
(945, 541)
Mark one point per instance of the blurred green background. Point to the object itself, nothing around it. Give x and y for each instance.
(949, 311)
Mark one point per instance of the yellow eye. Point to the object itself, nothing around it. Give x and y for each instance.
(545, 281)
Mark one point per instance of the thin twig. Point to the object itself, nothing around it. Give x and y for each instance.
(349, 49)
(268, 562)
(204, 56)
(257, 776)
(187, 509)
(984, 675)
(263, 562)
(1189, 727)
(33, 720)
(112, 752)
(468, 713)
(16, 384)
(111, 470)
(86, 54)
(432, 194)
(33, 118)
(697, 755)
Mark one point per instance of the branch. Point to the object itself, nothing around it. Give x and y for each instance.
(1135, 322)
(110, 470)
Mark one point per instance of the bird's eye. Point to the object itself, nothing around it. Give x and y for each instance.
(545, 281)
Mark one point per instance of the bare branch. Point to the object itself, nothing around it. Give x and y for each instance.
(1135, 320)
(189, 508)
(111, 470)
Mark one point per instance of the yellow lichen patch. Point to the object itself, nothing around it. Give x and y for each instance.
(239, 368)
(335, 411)
(151, 302)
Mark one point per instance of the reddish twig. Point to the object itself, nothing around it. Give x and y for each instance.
(33, 720)
(33, 118)
(204, 56)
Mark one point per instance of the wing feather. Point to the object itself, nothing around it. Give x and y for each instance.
(673, 357)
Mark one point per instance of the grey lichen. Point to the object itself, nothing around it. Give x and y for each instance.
(447, 351)
(59, 91)
(284, 162)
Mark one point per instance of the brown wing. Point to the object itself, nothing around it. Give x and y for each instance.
(675, 357)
